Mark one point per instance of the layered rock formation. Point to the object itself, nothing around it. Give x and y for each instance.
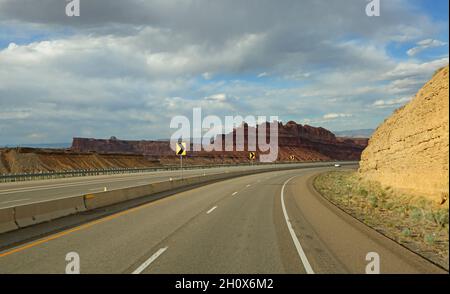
(320, 140)
(409, 151)
(302, 142)
(113, 145)
(307, 143)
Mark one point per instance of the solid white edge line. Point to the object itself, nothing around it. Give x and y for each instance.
(152, 258)
(297, 244)
(11, 201)
(211, 210)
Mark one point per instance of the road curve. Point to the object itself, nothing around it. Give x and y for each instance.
(233, 226)
(19, 193)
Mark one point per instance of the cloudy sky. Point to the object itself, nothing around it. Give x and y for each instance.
(125, 68)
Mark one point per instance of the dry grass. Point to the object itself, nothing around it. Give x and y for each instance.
(415, 222)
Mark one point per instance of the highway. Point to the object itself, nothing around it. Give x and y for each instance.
(264, 223)
(17, 193)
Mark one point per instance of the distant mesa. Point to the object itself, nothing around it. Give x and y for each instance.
(303, 141)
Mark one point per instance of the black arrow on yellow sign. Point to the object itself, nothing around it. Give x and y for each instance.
(181, 149)
(251, 155)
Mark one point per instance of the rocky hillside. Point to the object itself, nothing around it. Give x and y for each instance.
(29, 160)
(409, 151)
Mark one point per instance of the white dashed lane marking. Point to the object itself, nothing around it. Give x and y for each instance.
(211, 210)
(152, 258)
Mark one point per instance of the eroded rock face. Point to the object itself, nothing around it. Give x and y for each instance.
(409, 151)
(305, 142)
(321, 141)
(113, 145)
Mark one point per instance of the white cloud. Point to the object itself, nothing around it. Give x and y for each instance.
(392, 102)
(425, 44)
(217, 98)
(263, 74)
(298, 76)
(34, 136)
(329, 116)
(14, 115)
(413, 68)
(207, 75)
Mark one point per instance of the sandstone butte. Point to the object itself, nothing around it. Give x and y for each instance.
(409, 151)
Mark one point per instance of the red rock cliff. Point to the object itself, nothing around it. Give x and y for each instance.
(302, 141)
(113, 145)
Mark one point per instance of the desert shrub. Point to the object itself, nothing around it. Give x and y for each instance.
(441, 217)
(416, 214)
(373, 200)
(406, 232)
(429, 239)
(363, 192)
(389, 205)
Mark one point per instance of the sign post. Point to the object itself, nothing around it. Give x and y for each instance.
(181, 165)
(252, 156)
(181, 150)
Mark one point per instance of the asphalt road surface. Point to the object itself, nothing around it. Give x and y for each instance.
(265, 223)
(13, 194)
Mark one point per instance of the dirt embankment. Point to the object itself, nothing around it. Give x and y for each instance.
(410, 150)
(27, 160)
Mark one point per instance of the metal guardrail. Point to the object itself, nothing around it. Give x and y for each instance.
(6, 178)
